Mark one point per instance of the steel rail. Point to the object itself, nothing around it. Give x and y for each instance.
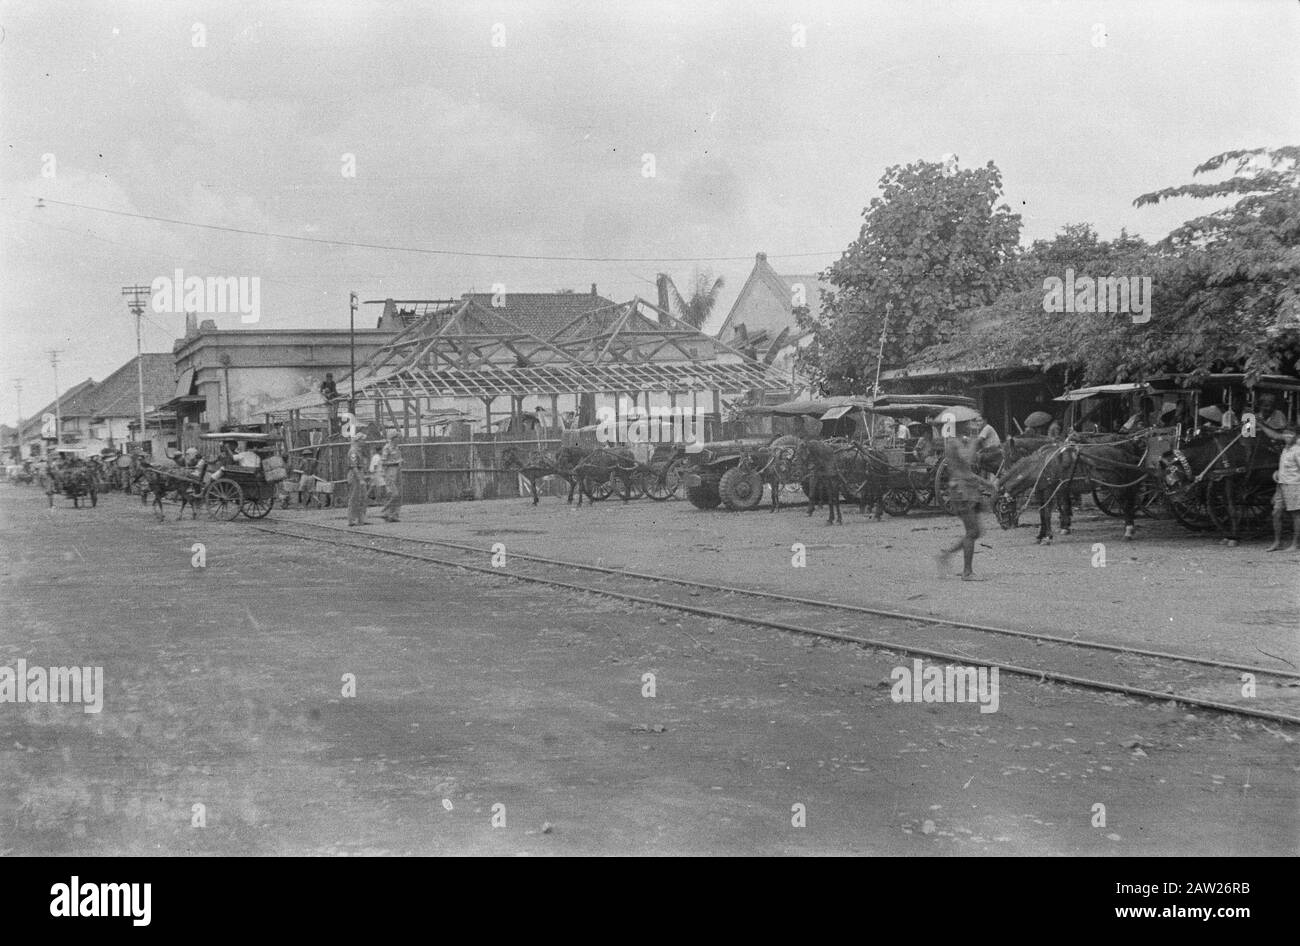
(1029, 672)
(831, 605)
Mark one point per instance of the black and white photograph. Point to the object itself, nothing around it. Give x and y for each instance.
(590, 429)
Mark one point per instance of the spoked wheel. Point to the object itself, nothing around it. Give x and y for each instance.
(922, 489)
(1107, 501)
(257, 507)
(1188, 506)
(1249, 504)
(897, 501)
(663, 484)
(1151, 501)
(598, 490)
(741, 488)
(222, 499)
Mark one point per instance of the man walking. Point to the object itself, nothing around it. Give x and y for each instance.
(392, 462)
(966, 490)
(357, 481)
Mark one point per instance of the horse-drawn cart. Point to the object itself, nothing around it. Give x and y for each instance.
(233, 489)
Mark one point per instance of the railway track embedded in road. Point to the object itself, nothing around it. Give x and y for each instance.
(1153, 675)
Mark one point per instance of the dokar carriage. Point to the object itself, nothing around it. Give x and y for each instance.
(234, 488)
(72, 476)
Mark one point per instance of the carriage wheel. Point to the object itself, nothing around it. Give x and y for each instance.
(598, 490)
(1151, 501)
(1106, 500)
(740, 489)
(1189, 508)
(1253, 503)
(257, 507)
(663, 484)
(897, 500)
(222, 499)
(1250, 503)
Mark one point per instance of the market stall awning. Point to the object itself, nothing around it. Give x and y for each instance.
(1078, 394)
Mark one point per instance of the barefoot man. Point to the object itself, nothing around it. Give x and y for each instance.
(1287, 497)
(966, 489)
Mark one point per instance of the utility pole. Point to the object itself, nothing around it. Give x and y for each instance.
(18, 390)
(352, 352)
(58, 409)
(880, 355)
(136, 304)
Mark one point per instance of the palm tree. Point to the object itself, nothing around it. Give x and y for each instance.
(694, 311)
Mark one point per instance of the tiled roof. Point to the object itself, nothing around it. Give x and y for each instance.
(541, 313)
(117, 395)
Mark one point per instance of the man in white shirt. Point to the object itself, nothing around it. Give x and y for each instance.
(376, 477)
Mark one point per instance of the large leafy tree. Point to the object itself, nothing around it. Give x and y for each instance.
(935, 242)
(1225, 287)
(1235, 287)
(1016, 328)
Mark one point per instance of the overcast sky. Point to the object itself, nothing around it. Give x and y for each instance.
(535, 147)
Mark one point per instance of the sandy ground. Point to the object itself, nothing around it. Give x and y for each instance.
(1168, 590)
(223, 688)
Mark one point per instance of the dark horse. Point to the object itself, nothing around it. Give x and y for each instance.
(584, 466)
(1115, 463)
(162, 483)
(817, 460)
(998, 462)
(537, 466)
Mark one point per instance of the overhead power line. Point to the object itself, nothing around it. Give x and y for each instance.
(429, 252)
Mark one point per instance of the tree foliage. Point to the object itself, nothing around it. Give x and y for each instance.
(1224, 288)
(695, 308)
(933, 243)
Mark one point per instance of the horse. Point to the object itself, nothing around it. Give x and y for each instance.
(537, 466)
(774, 464)
(1115, 463)
(998, 461)
(864, 473)
(817, 460)
(585, 466)
(161, 483)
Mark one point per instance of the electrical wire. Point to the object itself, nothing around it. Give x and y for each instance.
(432, 252)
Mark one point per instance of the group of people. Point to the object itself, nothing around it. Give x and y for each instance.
(386, 463)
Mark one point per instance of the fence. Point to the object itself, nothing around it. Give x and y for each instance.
(444, 470)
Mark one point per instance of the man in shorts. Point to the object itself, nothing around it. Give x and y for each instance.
(1287, 497)
(965, 491)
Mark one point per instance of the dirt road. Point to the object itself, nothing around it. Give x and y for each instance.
(478, 700)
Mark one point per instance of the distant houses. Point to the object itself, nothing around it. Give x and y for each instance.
(762, 321)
